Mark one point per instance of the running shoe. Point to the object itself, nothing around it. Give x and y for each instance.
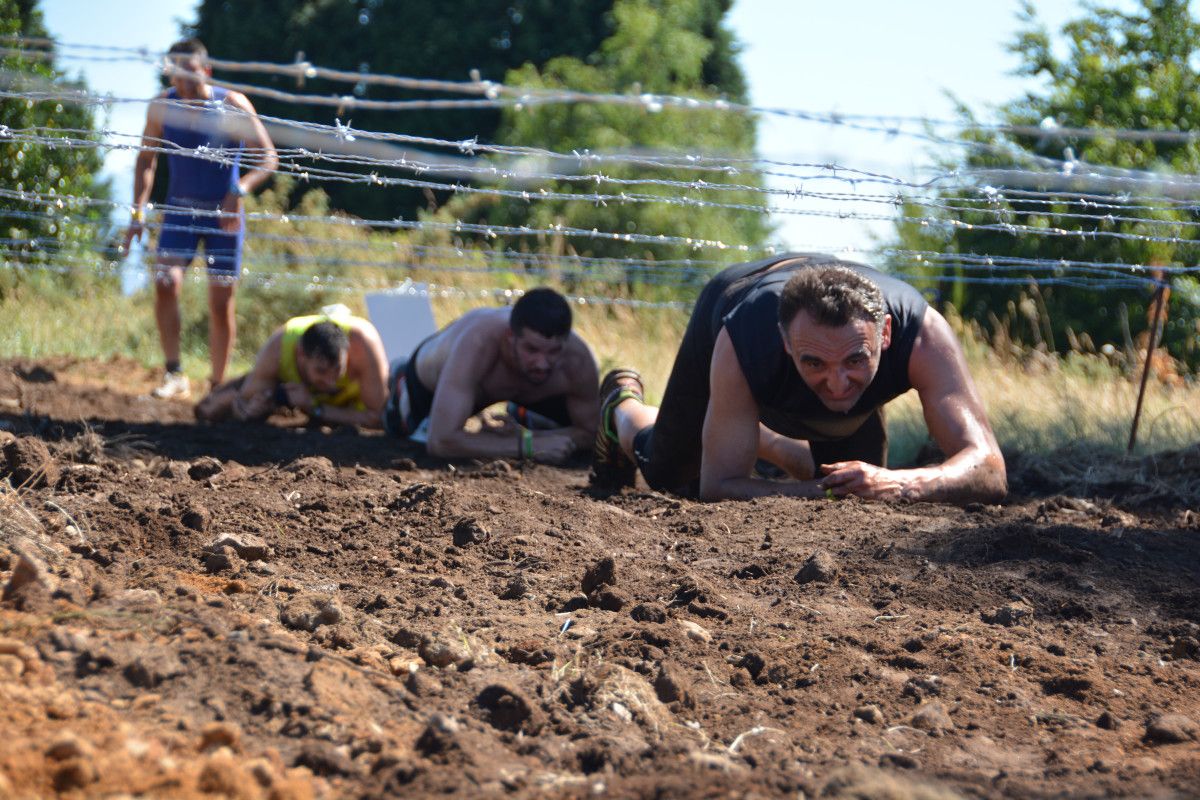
(611, 467)
(174, 386)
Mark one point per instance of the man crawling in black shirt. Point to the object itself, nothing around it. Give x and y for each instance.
(792, 360)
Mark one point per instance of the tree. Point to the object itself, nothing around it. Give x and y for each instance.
(426, 39)
(1120, 71)
(27, 166)
(658, 47)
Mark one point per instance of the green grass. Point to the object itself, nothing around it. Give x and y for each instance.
(1036, 403)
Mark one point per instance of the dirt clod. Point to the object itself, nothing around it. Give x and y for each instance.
(869, 714)
(29, 463)
(1172, 729)
(204, 468)
(508, 709)
(609, 598)
(469, 531)
(932, 717)
(602, 573)
(1008, 615)
(819, 568)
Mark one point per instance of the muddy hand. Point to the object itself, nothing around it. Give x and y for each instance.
(862, 480)
(553, 448)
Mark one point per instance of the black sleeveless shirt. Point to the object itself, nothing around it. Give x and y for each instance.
(748, 308)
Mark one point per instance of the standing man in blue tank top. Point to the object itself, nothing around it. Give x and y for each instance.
(204, 200)
(792, 360)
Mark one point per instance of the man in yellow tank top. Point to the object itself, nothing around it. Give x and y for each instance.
(332, 367)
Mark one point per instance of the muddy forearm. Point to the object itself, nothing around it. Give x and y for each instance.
(965, 478)
(463, 444)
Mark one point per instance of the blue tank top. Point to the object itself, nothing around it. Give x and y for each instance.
(195, 180)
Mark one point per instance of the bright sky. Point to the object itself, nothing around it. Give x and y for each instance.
(854, 56)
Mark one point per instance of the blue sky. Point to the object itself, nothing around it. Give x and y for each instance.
(855, 56)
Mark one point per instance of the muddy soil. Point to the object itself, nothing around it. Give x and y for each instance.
(276, 612)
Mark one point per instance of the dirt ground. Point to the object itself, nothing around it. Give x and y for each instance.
(274, 612)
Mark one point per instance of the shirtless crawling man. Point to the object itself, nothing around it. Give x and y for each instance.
(526, 355)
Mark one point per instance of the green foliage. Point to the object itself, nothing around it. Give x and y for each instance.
(428, 39)
(32, 167)
(1119, 70)
(657, 47)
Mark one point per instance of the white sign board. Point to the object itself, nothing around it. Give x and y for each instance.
(403, 317)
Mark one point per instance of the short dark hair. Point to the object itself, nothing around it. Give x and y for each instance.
(542, 310)
(188, 47)
(833, 295)
(324, 341)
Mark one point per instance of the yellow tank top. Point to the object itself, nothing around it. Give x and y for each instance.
(348, 391)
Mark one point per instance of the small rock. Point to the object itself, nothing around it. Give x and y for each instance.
(29, 573)
(932, 717)
(1186, 647)
(649, 612)
(151, 669)
(901, 760)
(195, 517)
(222, 775)
(220, 734)
(67, 745)
(204, 468)
(468, 531)
(1009, 615)
(224, 560)
(602, 573)
(439, 735)
(236, 587)
(609, 598)
(921, 687)
(11, 667)
(30, 464)
(819, 568)
(869, 714)
(248, 546)
(303, 614)
(695, 632)
(422, 684)
(443, 651)
(324, 759)
(76, 773)
(1171, 729)
(508, 709)
(517, 588)
(138, 600)
(1108, 721)
(669, 687)
(753, 663)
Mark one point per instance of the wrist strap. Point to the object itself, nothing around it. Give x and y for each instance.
(526, 443)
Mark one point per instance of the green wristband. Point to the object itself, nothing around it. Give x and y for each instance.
(526, 443)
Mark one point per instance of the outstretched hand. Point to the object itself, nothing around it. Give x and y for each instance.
(867, 481)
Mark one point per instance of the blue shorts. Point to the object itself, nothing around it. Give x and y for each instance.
(182, 233)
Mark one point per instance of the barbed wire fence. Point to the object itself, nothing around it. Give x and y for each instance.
(1104, 201)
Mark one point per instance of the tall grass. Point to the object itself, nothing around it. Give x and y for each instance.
(1037, 402)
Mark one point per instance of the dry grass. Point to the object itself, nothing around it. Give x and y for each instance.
(1037, 403)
